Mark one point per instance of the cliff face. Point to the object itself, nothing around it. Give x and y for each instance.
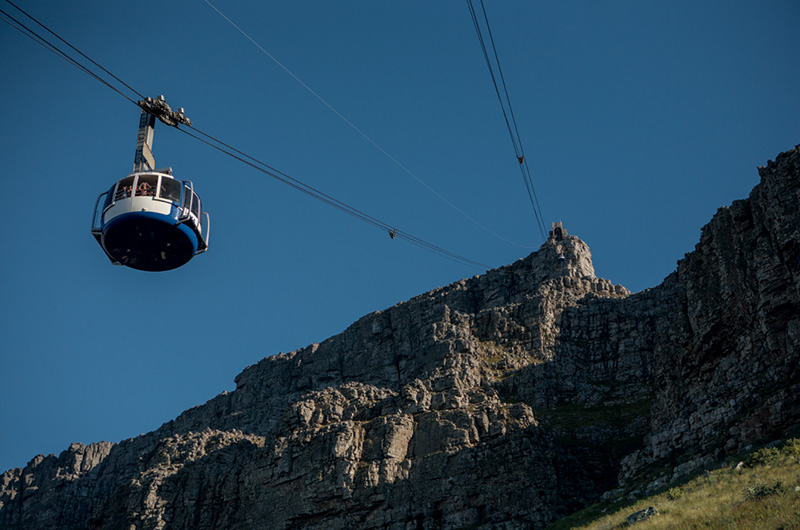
(505, 400)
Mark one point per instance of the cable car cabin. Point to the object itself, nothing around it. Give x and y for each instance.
(150, 221)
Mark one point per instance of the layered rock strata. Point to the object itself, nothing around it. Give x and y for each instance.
(503, 401)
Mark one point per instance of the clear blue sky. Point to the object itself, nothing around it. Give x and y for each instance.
(639, 119)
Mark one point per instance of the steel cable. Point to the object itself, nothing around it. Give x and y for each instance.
(360, 132)
(508, 115)
(76, 49)
(28, 32)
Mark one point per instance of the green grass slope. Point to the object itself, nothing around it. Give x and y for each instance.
(760, 491)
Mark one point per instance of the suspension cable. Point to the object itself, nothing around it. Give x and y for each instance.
(76, 49)
(233, 152)
(28, 32)
(323, 197)
(508, 115)
(362, 133)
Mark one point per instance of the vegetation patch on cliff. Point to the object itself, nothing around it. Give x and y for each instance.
(760, 490)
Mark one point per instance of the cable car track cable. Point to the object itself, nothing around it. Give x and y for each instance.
(28, 32)
(325, 198)
(233, 152)
(516, 140)
(362, 133)
(76, 49)
(511, 122)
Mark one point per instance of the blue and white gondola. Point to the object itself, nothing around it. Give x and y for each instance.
(151, 221)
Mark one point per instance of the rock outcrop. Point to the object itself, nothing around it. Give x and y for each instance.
(506, 400)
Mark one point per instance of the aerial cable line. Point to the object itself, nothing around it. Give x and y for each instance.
(75, 49)
(360, 132)
(325, 198)
(233, 152)
(513, 131)
(508, 115)
(28, 32)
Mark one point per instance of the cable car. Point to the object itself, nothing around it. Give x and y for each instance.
(150, 220)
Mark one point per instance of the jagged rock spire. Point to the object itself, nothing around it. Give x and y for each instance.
(563, 255)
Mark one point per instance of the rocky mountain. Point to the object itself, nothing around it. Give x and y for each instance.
(506, 400)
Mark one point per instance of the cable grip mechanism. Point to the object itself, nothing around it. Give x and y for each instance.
(159, 108)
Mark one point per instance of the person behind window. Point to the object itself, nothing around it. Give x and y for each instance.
(145, 189)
